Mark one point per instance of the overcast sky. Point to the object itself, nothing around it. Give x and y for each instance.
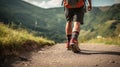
(57, 3)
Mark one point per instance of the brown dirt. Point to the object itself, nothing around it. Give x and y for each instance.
(92, 55)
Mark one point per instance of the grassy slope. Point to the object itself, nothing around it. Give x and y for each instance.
(17, 39)
(111, 30)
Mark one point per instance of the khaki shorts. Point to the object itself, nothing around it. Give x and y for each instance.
(74, 14)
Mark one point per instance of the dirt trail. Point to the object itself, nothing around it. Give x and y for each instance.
(92, 55)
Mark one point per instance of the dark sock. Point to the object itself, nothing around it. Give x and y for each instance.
(75, 34)
(69, 37)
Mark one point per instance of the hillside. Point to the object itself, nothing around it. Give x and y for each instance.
(103, 23)
(14, 39)
(31, 17)
(50, 23)
(105, 8)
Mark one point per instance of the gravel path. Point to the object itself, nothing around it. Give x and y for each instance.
(92, 55)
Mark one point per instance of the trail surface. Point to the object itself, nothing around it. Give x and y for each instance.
(92, 55)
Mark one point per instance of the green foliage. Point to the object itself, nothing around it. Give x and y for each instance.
(101, 23)
(14, 39)
(50, 23)
(110, 40)
(34, 18)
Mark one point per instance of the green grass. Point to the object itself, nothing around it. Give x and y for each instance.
(109, 33)
(110, 40)
(14, 39)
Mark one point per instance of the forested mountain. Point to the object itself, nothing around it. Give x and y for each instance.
(50, 23)
(101, 22)
(46, 22)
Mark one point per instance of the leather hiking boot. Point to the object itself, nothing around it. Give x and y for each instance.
(74, 45)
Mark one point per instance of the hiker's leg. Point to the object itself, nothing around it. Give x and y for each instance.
(78, 18)
(68, 31)
(74, 39)
(76, 26)
(76, 30)
(68, 28)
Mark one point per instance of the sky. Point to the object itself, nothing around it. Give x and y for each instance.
(57, 3)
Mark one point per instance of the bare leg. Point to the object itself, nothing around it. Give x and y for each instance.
(68, 28)
(74, 42)
(76, 26)
(68, 31)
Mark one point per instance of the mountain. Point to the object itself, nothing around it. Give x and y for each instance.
(104, 8)
(104, 23)
(50, 22)
(43, 21)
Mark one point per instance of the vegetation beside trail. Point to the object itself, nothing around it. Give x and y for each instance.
(19, 40)
(112, 41)
(108, 33)
(50, 23)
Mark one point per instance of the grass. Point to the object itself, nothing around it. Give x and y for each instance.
(108, 33)
(110, 40)
(15, 39)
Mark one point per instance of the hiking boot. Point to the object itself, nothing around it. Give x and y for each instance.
(68, 45)
(74, 45)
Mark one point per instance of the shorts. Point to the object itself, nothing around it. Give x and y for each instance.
(74, 14)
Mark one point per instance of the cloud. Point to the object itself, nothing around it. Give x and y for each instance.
(45, 3)
(35, 0)
(57, 3)
(102, 2)
(50, 3)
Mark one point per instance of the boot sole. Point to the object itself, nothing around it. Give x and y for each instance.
(73, 48)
